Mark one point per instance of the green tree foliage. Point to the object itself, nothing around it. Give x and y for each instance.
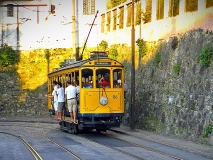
(205, 56)
(157, 59)
(176, 68)
(103, 45)
(142, 47)
(208, 130)
(47, 54)
(7, 56)
(113, 53)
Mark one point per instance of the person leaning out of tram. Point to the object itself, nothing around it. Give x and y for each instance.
(54, 98)
(104, 81)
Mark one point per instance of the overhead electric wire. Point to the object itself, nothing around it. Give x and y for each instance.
(5, 36)
(28, 8)
(50, 14)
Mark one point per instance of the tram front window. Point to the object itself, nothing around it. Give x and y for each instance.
(117, 78)
(103, 78)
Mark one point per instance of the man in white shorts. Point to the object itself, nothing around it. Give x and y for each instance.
(70, 93)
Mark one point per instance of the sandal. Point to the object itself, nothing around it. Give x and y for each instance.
(76, 122)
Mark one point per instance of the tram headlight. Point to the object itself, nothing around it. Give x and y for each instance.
(103, 100)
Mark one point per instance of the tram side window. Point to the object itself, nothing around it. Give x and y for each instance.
(103, 78)
(76, 77)
(69, 77)
(87, 78)
(117, 78)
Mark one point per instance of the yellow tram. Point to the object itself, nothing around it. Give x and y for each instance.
(100, 106)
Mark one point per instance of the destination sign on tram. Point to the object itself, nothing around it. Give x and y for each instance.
(102, 63)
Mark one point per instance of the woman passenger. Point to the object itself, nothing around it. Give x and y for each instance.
(104, 81)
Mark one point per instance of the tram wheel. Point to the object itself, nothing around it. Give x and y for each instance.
(98, 131)
(76, 130)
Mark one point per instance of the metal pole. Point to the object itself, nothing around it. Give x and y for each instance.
(37, 15)
(74, 28)
(132, 125)
(77, 30)
(2, 35)
(18, 44)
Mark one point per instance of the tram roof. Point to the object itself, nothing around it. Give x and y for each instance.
(76, 64)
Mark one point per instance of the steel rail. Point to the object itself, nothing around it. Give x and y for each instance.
(29, 147)
(113, 148)
(61, 146)
(144, 147)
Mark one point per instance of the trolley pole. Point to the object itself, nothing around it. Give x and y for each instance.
(132, 125)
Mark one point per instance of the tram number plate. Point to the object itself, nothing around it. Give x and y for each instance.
(115, 97)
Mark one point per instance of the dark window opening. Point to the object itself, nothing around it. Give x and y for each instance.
(87, 78)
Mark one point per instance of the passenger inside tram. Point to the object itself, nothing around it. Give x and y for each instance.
(104, 81)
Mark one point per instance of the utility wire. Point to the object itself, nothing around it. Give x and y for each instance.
(5, 36)
(29, 8)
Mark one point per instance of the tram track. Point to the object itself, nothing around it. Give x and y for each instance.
(144, 147)
(111, 136)
(130, 145)
(113, 148)
(60, 145)
(129, 153)
(182, 150)
(28, 146)
(28, 127)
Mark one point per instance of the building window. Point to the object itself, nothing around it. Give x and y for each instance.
(129, 15)
(209, 3)
(191, 5)
(102, 23)
(89, 7)
(9, 10)
(138, 13)
(174, 8)
(121, 18)
(147, 15)
(160, 9)
(108, 21)
(114, 19)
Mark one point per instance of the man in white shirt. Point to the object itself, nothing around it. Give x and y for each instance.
(60, 94)
(70, 93)
(54, 98)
